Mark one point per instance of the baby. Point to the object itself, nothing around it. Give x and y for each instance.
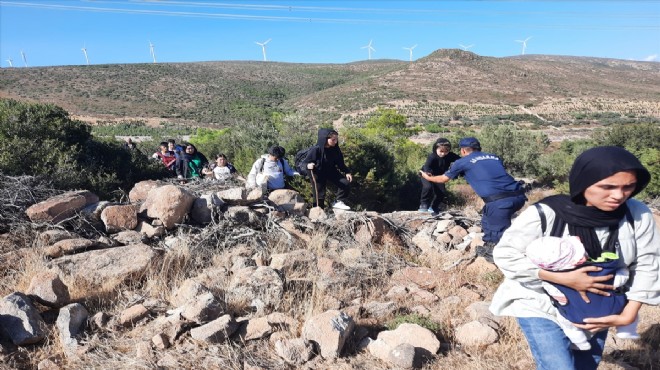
(562, 254)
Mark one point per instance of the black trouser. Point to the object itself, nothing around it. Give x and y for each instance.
(432, 194)
(336, 178)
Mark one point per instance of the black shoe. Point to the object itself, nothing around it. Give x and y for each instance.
(486, 251)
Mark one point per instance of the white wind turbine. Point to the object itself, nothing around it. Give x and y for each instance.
(464, 47)
(84, 50)
(369, 48)
(524, 44)
(263, 47)
(10, 62)
(24, 58)
(410, 49)
(151, 50)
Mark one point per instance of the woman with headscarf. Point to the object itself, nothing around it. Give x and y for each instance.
(602, 182)
(325, 162)
(191, 163)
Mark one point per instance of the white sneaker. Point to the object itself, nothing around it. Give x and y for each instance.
(341, 205)
(180, 177)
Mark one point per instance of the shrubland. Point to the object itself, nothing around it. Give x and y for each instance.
(42, 140)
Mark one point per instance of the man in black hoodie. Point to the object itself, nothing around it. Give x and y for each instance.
(324, 163)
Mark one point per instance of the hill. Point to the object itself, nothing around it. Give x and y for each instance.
(448, 85)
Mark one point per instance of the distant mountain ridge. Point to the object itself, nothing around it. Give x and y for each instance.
(445, 83)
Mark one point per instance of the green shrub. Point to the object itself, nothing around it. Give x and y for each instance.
(41, 140)
(414, 318)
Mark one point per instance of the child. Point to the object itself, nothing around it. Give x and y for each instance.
(437, 163)
(222, 170)
(560, 254)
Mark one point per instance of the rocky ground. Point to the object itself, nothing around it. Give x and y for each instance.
(208, 275)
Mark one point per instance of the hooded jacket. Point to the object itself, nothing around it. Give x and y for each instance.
(437, 165)
(326, 159)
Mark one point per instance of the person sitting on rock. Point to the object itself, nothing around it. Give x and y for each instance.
(166, 156)
(221, 170)
(190, 163)
(269, 170)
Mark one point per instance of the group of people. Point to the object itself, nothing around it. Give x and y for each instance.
(574, 265)
(186, 162)
(323, 164)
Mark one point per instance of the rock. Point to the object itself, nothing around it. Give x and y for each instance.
(294, 351)
(215, 331)
(148, 230)
(443, 226)
(60, 207)
(141, 190)
(205, 207)
(254, 329)
(47, 364)
(143, 351)
(234, 196)
(105, 268)
(21, 320)
(160, 341)
(170, 204)
(380, 310)
(424, 241)
(327, 266)
(48, 289)
(287, 200)
(241, 215)
(480, 311)
(329, 332)
(292, 229)
(69, 246)
(412, 334)
(128, 237)
(93, 211)
(50, 237)
(202, 308)
(317, 214)
(70, 324)
(402, 356)
(280, 321)
(120, 217)
(187, 291)
(350, 255)
(476, 333)
(100, 320)
(457, 232)
(132, 315)
(262, 283)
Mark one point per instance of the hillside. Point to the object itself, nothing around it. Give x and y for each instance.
(448, 85)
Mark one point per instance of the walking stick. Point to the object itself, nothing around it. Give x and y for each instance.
(316, 189)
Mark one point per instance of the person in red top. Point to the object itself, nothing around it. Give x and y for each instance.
(166, 156)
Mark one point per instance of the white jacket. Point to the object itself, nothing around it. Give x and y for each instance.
(521, 294)
(269, 173)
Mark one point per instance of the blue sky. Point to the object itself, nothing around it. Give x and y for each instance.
(53, 32)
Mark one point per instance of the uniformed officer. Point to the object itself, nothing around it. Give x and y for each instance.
(485, 172)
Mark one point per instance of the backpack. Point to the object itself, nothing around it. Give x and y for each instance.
(299, 161)
(263, 161)
(576, 310)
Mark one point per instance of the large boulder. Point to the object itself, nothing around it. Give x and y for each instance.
(289, 201)
(205, 207)
(120, 217)
(170, 204)
(141, 190)
(21, 320)
(61, 207)
(48, 289)
(105, 268)
(329, 332)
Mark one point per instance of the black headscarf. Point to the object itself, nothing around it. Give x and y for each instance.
(589, 168)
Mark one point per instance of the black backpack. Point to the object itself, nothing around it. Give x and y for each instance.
(299, 160)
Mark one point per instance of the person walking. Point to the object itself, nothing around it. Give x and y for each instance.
(601, 212)
(437, 163)
(486, 174)
(325, 163)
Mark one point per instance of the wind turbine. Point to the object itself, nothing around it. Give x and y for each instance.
(24, 58)
(465, 48)
(151, 50)
(84, 50)
(369, 48)
(524, 44)
(10, 63)
(411, 49)
(263, 47)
